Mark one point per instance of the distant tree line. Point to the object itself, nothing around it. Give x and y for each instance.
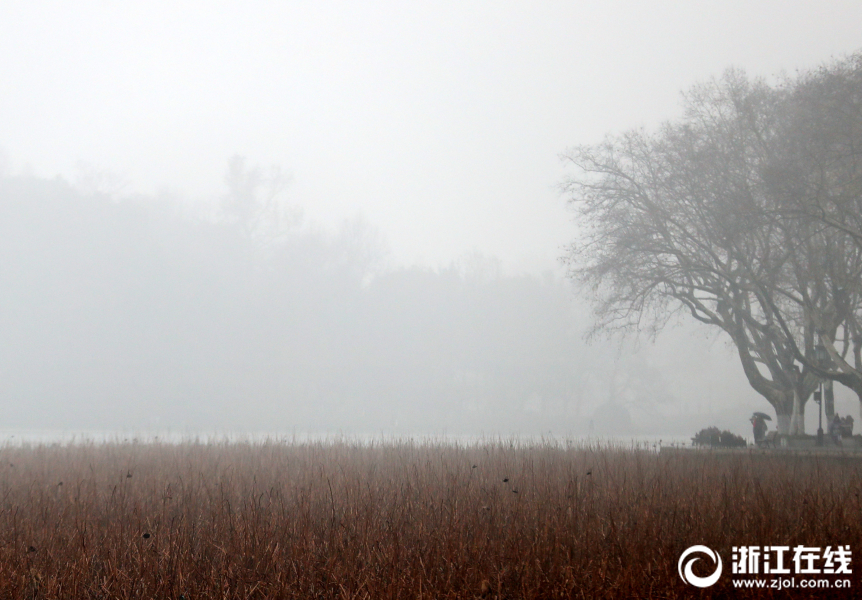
(746, 215)
(127, 312)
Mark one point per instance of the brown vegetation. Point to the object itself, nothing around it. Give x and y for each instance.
(401, 520)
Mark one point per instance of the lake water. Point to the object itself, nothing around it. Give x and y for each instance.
(17, 437)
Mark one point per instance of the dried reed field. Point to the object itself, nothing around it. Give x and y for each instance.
(401, 520)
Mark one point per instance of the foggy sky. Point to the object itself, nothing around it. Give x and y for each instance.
(430, 130)
(439, 122)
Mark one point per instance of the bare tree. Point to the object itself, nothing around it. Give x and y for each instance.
(678, 221)
(815, 181)
(252, 201)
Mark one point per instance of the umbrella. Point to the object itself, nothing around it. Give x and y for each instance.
(762, 416)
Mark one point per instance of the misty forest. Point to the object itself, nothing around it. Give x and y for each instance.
(143, 316)
(221, 396)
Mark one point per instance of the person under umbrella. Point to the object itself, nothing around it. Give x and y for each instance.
(758, 422)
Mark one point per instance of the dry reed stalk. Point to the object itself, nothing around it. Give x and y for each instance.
(404, 520)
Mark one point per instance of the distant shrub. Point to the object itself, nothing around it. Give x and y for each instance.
(731, 440)
(714, 438)
(710, 436)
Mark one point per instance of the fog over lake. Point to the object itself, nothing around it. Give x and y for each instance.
(345, 218)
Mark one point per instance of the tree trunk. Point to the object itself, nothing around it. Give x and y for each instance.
(783, 424)
(783, 413)
(779, 396)
(858, 390)
(797, 418)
